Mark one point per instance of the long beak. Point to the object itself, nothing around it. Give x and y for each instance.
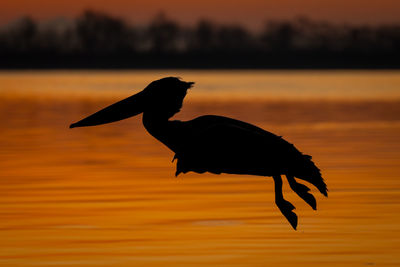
(123, 109)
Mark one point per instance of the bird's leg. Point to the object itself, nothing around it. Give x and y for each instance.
(285, 206)
(302, 191)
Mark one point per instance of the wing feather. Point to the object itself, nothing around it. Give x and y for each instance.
(219, 144)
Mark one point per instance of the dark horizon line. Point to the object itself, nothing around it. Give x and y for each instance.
(289, 68)
(100, 41)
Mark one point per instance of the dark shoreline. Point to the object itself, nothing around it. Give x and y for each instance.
(176, 63)
(325, 68)
(248, 60)
(98, 41)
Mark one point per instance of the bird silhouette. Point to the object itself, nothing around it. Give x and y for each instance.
(216, 144)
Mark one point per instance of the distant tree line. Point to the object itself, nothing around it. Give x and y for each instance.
(97, 40)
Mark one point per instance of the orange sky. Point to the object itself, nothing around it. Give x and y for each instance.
(249, 12)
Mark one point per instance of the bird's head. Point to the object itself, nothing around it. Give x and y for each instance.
(162, 97)
(165, 96)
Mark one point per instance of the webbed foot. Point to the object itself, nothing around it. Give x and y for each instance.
(302, 191)
(286, 208)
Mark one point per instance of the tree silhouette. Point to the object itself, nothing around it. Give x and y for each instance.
(101, 34)
(163, 35)
(96, 39)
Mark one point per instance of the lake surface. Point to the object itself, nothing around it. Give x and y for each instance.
(107, 195)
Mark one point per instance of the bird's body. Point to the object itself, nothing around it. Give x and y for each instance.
(217, 144)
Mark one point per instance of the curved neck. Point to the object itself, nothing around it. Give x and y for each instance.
(166, 131)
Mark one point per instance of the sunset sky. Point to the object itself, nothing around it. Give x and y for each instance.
(251, 13)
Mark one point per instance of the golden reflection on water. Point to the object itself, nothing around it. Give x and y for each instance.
(107, 196)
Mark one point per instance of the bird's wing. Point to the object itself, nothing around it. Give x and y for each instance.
(219, 144)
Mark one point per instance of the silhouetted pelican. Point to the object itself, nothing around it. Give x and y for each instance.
(216, 144)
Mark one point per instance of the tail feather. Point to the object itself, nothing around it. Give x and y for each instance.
(307, 171)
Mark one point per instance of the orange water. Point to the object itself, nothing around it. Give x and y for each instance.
(107, 196)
